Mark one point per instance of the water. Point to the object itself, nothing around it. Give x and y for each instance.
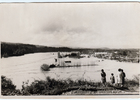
(27, 67)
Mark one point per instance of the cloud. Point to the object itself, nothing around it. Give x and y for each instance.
(55, 27)
(72, 24)
(78, 30)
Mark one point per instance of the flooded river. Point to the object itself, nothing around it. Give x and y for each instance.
(27, 67)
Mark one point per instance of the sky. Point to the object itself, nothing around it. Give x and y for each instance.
(92, 25)
(67, 0)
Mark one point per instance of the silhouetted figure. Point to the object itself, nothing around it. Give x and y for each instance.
(123, 77)
(55, 60)
(103, 77)
(112, 78)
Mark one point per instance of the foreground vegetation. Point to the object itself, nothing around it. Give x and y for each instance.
(59, 87)
(7, 87)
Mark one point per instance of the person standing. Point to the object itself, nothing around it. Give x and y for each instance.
(123, 77)
(120, 77)
(112, 78)
(55, 61)
(103, 77)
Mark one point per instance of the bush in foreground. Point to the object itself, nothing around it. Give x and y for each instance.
(7, 87)
(58, 87)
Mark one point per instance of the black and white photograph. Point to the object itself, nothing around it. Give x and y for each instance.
(70, 49)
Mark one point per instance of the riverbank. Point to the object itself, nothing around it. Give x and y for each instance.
(68, 87)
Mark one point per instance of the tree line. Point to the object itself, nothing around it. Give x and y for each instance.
(18, 49)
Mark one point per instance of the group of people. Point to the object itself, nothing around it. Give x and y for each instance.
(120, 77)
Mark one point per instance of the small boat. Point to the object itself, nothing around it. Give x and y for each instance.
(45, 67)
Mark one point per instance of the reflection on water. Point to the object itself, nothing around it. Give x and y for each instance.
(27, 67)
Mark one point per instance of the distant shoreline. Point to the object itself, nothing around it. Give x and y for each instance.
(122, 55)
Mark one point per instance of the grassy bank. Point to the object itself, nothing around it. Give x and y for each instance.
(65, 87)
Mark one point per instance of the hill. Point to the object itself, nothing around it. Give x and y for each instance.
(18, 49)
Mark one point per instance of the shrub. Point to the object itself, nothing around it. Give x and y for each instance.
(57, 87)
(7, 87)
(133, 82)
(7, 83)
